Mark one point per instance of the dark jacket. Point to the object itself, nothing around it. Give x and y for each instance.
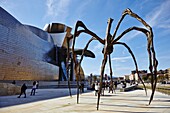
(24, 87)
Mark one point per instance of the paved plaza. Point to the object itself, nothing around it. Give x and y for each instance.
(59, 101)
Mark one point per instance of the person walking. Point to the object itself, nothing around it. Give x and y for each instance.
(115, 84)
(33, 88)
(96, 88)
(82, 86)
(37, 84)
(110, 87)
(23, 90)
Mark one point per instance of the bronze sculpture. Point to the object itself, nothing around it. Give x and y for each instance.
(108, 43)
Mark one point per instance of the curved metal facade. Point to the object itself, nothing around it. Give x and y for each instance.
(25, 51)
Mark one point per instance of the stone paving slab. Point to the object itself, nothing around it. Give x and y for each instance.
(121, 102)
(41, 94)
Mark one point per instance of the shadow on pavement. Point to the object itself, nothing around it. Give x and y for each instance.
(41, 94)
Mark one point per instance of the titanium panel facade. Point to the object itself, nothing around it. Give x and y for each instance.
(25, 51)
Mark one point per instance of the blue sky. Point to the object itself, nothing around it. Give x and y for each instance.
(95, 13)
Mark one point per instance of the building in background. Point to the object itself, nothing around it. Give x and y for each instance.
(164, 76)
(167, 74)
(134, 76)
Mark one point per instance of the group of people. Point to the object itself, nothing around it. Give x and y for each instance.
(24, 88)
(105, 85)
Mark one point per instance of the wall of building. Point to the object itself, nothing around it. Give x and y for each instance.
(23, 54)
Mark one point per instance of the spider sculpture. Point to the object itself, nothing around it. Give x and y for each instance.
(109, 42)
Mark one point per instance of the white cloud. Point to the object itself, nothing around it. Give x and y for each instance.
(3, 2)
(165, 26)
(62, 10)
(8, 5)
(158, 17)
(133, 35)
(121, 59)
(142, 46)
(98, 48)
(164, 57)
(124, 51)
(57, 9)
(80, 10)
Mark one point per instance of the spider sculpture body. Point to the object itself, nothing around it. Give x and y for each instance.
(109, 41)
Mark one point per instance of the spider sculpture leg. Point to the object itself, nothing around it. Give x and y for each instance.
(101, 78)
(108, 49)
(134, 59)
(152, 56)
(76, 74)
(151, 66)
(67, 65)
(155, 64)
(93, 38)
(77, 33)
(110, 65)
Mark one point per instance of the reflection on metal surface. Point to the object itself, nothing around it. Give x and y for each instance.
(30, 53)
(25, 53)
(59, 33)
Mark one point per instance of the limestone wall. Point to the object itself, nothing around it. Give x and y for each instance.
(9, 89)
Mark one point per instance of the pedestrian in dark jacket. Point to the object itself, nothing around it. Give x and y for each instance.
(23, 90)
